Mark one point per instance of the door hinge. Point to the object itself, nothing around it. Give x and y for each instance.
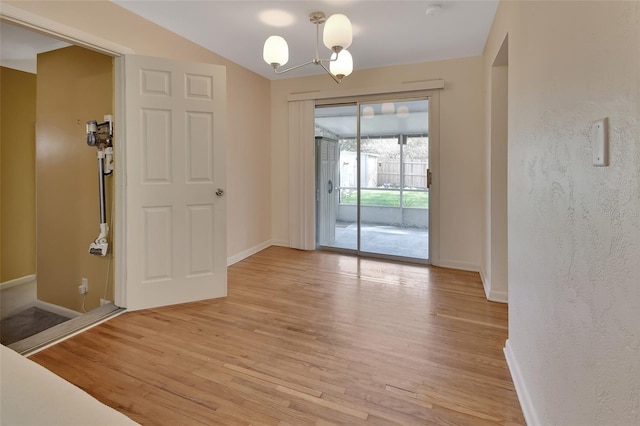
(429, 178)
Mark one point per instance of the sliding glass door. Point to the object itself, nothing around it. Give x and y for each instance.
(373, 178)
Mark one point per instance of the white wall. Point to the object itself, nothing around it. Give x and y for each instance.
(573, 229)
(461, 134)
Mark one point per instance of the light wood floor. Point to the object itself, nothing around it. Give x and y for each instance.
(306, 338)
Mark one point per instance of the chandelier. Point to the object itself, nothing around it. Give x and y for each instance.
(337, 36)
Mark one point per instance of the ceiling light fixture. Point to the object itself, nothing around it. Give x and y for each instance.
(337, 36)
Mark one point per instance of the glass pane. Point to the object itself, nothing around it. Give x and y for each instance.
(394, 194)
(336, 177)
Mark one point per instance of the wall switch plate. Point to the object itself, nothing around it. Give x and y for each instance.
(600, 141)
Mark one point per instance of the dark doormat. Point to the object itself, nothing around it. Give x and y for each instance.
(27, 323)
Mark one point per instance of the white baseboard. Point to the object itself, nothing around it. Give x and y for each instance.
(492, 295)
(60, 310)
(281, 243)
(18, 281)
(530, 416)
(17, 295)
(453, 264)
(249, 252)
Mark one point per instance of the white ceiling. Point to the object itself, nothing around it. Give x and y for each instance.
(20, 47)
(391, 32)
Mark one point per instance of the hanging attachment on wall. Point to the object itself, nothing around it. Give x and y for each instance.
(101, 136)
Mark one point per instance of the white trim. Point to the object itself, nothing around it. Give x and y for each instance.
(492, 295)
(280, 243)
(434, 166)
(18, 281)
(498, 296)
(249, 252)
(486, 285)
(119, 221)
(57, 309)
(61, 31)
(409, 86)
(530, 415)
(454, 264)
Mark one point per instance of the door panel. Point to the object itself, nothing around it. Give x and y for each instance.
(327, 155)
(175, 161)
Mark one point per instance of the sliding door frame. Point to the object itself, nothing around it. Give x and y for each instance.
(433, 97)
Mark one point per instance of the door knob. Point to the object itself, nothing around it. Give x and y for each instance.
(220, 192)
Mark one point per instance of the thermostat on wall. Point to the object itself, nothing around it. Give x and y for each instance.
(600, 141)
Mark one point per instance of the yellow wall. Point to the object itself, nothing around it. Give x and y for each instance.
(17, 194)
(248, 108)
(74, 85)
(460, 147)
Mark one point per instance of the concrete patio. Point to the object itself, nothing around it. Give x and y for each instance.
(384, 239)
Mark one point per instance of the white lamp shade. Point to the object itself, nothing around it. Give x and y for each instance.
(367, 112)
(343, 66)
(388, 108)
(403, 111)
(276, 51)
(337, 32)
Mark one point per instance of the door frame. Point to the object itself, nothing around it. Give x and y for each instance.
(429, 90)
(37, 23)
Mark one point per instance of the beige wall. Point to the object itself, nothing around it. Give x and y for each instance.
(248, 108)
(461, 147)
(573, 229)
(17, 192)
(74, 85)
(493, 268)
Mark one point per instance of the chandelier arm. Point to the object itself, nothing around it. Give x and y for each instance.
(292, 68)
(327, 60)
(336, 79)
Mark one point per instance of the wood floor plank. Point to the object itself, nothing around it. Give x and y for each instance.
(306, 338)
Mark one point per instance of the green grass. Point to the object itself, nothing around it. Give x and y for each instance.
(387, 198)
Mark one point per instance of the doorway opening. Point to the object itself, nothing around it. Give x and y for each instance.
(373, 178)
(50, 192)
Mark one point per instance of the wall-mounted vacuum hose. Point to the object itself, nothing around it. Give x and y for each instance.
(101, 136)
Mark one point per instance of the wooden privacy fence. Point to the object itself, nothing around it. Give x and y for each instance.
(415, 174)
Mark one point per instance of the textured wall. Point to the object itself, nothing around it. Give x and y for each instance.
(574, 229)
(17, 192)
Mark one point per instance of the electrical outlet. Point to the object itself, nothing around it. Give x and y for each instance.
(84, 287)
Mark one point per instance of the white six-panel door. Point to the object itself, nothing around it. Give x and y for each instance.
(175, 164)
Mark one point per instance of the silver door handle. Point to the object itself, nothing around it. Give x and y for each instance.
(220, 192)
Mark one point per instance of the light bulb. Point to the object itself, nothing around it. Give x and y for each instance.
(388, 108)
(276, 51)
(343, 66)
(338, 33)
